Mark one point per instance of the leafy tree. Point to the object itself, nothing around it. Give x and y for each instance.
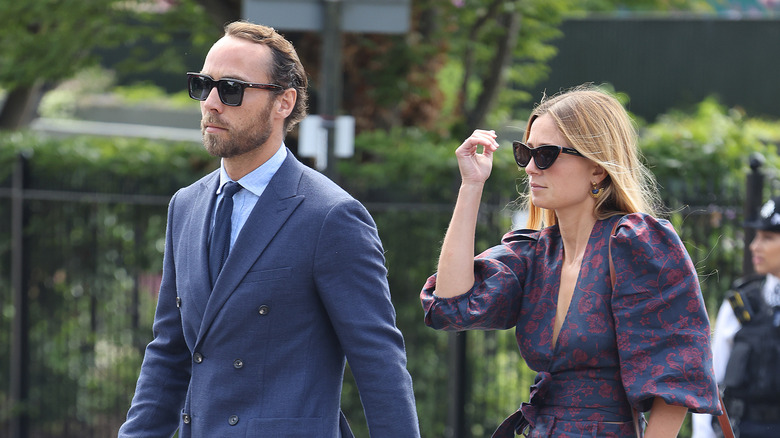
(708, 140)
(699, 156)
(464, 63)
(45, 41)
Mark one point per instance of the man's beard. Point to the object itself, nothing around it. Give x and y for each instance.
(241, 141)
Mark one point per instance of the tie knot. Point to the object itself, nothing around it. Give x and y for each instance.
(230, 188)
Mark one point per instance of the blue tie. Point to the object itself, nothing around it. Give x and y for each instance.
(220, 235)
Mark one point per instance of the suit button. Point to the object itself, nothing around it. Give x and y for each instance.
(233, 420)
(197, 357)
(263, 310)
(185, 418)
(238, 364)
(178, 301)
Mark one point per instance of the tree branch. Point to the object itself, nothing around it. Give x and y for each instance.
(468, 56)
(496, 77)
(20, 106)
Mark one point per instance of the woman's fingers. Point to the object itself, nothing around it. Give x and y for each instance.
(475, 166)
(486, 139)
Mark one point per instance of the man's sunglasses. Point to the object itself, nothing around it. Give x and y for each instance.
(231, 91)
(544, 156)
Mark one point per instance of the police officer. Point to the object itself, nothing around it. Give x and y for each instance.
(746, 342)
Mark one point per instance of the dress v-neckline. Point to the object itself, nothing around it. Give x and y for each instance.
(557, 289)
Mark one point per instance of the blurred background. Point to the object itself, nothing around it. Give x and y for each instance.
(97, 132)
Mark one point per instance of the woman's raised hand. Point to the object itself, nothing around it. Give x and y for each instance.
(474, 166)
(456, 263)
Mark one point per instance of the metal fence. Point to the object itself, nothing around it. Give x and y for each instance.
(79, 274)
(78, 300)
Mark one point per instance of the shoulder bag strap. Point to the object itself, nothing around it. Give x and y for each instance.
(723, 419)
(634, 412)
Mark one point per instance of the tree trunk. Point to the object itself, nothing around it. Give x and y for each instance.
(492, 84)
(20, 106)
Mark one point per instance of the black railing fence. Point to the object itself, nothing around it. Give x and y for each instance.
(79, 274)
(78, 301)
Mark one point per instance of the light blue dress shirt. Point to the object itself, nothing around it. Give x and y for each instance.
(254, 184)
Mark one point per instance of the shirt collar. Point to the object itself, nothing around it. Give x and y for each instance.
(771, 282)
(257, 180)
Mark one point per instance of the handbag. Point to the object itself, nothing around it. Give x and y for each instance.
(723, 419)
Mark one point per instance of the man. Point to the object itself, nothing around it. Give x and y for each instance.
(746, 342)
(257, 348)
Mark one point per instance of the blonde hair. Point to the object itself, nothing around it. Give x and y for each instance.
(596, 124)
(286, 68)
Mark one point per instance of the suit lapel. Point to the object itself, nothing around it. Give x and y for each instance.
(276, 204)
(200, 222)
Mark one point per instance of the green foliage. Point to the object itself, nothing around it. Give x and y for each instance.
(408, 179)
(62, 101)
(698, 6)
(121, 165)
(475, 31)
(411, 165)
(150, 95)
(51, 40)
(95, 87)
(406, 152)
(162, 40)
(472, 31)
(93, 269)
(709, 140)
(700, 159)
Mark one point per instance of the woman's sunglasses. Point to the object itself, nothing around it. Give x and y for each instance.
(231, 91)
(544, 156)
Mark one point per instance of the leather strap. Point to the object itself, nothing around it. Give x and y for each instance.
(723, 418)
(612, 265)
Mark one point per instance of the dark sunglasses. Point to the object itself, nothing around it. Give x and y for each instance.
(544, 156)
(231, 91)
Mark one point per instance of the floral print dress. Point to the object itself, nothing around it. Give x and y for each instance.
(618, 348)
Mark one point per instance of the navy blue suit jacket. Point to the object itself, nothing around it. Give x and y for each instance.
(304, 288)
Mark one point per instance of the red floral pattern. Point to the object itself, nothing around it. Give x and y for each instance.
(648, 338)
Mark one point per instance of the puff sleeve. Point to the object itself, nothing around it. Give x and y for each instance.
(494, 300)
(663, 331)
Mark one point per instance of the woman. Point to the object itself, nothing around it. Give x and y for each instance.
(602, 351)
(746, 342)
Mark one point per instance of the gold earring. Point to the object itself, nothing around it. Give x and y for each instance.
(595, 192)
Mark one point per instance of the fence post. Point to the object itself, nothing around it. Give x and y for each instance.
(20, 353)
(754, 188)
(456, 409)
